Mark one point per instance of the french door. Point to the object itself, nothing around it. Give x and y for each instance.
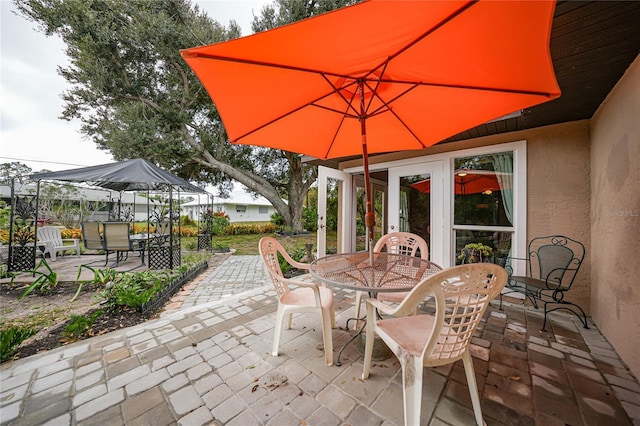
(416, 205)
(335, 195)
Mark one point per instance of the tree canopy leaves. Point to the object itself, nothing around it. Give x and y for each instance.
(137, 98)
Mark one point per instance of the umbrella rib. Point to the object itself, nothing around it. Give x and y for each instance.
(433, 29)
(310, 103)
(481, 88)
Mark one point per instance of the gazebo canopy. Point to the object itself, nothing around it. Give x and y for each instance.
(130, 175)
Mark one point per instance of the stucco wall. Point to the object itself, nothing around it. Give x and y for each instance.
(615, 217)
(558, 192)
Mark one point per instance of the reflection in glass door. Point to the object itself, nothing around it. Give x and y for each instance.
(415, 204)
(334, 229)
(379, 191)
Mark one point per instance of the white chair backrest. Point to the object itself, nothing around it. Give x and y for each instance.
(403, 243)
(269, 248)
(49, 233)
(462, 294)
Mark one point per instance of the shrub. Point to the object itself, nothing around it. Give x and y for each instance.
(45, 281)
(11, 338)
(276, 219)
(188, 232)
(139, 229)
(80, 325)
(310, 219)
(134, 289)
(220, 223)
(187, 221)
(296, 254)
(250, 228)
(71, 233)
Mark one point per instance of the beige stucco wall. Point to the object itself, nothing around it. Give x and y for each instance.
(615, 217)
(558, 192)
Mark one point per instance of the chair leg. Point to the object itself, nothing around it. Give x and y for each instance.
(473, 387)
(327, 337)
(569, 306)
(358, 304)
(412, 369)
(289, 321)
(278, 329)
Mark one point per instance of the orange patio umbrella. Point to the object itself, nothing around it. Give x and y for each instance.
(380, 76)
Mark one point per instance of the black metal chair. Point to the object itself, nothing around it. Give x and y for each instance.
(553, 263)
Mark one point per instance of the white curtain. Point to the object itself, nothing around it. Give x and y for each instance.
(503, 166)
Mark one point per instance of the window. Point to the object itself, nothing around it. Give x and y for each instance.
(483, 208)
(241, 209)
(263, 210)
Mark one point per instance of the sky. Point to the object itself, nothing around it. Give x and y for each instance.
(31, 90)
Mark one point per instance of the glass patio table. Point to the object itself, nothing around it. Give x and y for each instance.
(384, 272)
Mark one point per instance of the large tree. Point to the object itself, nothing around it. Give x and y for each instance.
(136, 97)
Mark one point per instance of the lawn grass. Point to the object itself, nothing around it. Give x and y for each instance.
(248, 244)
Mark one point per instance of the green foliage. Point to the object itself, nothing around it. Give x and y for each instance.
(136, 96)
(134, 288)
(220, 222)
(475, 252)
(80, 325)
(44, 282)
(296, 253)
(100, 276)
(187, 221)
(277, 219)
(310, 218)
(11, 338)
(194, 258)
(15, 169)
(250, 228)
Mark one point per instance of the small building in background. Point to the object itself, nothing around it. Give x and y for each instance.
(240, 207)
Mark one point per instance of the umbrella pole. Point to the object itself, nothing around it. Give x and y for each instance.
(369, 217)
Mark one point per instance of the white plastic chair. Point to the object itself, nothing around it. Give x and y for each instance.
(404, 243)
(308, 297)
(461, 294)
(51, 239)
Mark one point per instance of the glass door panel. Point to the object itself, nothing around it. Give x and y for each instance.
(483, 206)
(334, 218)
(415, 204)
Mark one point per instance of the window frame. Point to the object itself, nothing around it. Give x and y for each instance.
(519, 225)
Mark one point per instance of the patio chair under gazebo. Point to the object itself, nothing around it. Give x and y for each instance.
(130, 175)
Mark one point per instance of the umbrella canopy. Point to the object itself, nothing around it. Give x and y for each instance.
(466, 182)
(130, 175)
(380, 76)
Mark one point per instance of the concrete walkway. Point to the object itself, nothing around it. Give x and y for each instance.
(206, 361)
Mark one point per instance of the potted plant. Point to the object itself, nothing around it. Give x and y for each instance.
(476, 253)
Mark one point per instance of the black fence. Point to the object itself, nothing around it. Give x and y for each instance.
(150, 308)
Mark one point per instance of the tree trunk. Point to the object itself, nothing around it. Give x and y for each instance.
(301, 179)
